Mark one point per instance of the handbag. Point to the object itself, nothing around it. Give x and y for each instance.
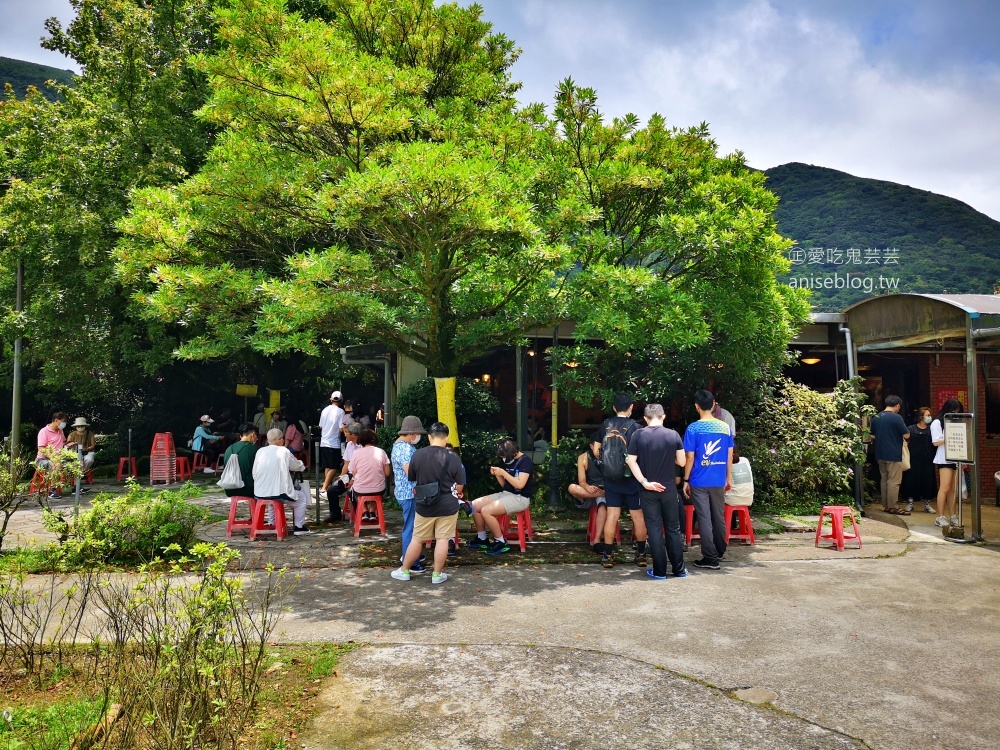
(232, 476)
(424, 495)
(906, 456)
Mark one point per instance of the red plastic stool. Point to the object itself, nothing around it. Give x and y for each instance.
(39, 483)
(233, 523)
(689, 519)
(595, 534)
(200, 462)
(348, 510)
(837, 513)
(89, 477)
(744, 526)
(257, 522)
(183, 468)
(360, 510)
(519, 532)
(220, 462)
(126, 464)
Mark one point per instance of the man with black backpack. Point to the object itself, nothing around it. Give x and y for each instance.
(620, 487)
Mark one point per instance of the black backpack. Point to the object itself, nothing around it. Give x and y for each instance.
(614, 448)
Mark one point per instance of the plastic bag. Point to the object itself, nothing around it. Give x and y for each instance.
(232, 476)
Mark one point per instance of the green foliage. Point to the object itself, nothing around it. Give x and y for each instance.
(21, 74)
(803, 445)
(679, 259)
(13, 492)
(130, 529)
(53, 726)
(944, 245)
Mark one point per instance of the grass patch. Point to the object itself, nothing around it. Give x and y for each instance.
(27, 560)
(52, 714)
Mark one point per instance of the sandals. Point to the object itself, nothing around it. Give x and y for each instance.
(897, 511)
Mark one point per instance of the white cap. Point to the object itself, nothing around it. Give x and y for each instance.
(206, 418)
(336, 396)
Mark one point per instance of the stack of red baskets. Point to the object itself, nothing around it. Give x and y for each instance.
(163, 459)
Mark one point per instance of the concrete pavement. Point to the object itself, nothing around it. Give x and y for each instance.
(899, 652)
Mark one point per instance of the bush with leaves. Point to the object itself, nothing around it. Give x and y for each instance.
(128, 529)
(803, 445)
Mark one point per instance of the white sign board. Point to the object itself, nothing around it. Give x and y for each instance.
(959, 443)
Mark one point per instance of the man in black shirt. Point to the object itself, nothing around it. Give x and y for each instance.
(439, 481)
(514, 478)
(654, 453)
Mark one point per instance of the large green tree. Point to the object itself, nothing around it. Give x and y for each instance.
(680, 259)
(372, 180)
(66, 171)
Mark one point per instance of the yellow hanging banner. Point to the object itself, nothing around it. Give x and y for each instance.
(445, 390)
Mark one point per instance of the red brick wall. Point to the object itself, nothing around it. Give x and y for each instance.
(949, 372)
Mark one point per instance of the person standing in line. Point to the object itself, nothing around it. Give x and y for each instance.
(437, 473)
(708, 475)
(947, 472)
(889, 431)
(330, 422)
(723, 414)
(653, 455)
(402, 451)
(621, 492)
(260, 419)
(918, 482)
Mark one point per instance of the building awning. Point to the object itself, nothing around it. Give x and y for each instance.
(900, 320)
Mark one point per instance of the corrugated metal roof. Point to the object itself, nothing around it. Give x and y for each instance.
(983, 304)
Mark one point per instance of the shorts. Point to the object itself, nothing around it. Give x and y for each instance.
(616, 499)
(426, 528)
(511, 501)
(330, 458)
(953, 467)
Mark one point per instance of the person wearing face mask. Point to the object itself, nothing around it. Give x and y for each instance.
(51, 440)
(402, 451)
(81, 435)
(918, 482)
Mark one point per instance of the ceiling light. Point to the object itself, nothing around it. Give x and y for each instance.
(811, 360)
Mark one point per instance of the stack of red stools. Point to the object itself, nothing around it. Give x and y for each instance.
(163, 459)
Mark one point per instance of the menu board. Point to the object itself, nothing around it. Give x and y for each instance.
(959, 442)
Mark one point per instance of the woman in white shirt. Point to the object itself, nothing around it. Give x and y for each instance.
(947, 472)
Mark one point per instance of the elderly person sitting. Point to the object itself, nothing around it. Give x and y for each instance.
(272, 478)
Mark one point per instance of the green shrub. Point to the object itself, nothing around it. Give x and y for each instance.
(803, 445)
(475, 406)
(128, 529)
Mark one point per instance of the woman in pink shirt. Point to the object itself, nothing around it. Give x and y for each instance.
(370, 466)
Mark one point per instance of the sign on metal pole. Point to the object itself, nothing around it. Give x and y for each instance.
(959, 439)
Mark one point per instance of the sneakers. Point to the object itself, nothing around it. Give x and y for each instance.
(703, 563)
(418, 567)
(452, 549)
(640, 559)
(477, 543)
(650, 574)
(301, 531)
(927, 507)
(439, 577)
(497, 548)
(208, 470)
(909, 507)
(400, 575)
(369, 518)
(682, 574)
(955, 521)
(608, 561)
(54, 495)
(941, 521)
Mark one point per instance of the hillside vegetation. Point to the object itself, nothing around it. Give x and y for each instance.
(21, 74)
(941, 244)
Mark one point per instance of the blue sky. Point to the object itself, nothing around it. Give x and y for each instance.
(907, 91)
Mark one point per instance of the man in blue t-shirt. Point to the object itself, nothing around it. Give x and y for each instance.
(708, 475)
(889, 431)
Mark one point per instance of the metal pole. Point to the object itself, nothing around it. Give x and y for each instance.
(852, 371)
(15, 411)
(972, 377)
(519, 396)
(554, 467)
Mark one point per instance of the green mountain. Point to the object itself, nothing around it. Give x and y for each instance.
(21, 74)
(857, 237)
